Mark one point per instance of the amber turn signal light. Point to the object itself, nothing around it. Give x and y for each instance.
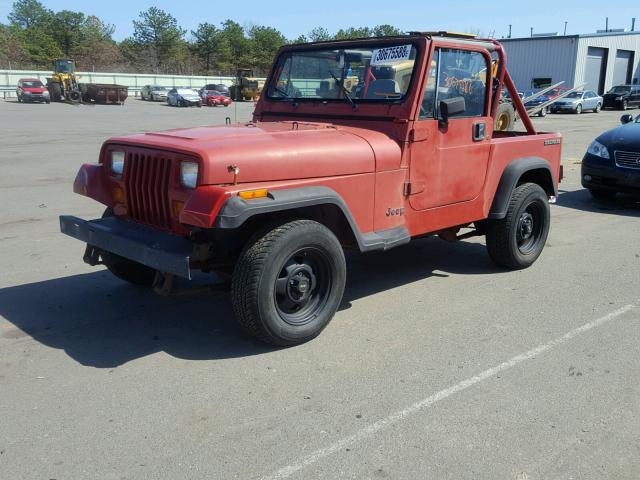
(177, 208)
(251, 194)
(118, 195)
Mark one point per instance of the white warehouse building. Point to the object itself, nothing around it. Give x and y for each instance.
(601, 60)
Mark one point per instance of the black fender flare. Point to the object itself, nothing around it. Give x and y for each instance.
(236, 211)
(512, 175)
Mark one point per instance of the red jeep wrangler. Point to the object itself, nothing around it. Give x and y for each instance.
(362, 143)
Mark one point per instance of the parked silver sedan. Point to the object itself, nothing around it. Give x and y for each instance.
(578, 102)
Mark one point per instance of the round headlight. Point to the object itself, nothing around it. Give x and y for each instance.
(189, 174)
(117, 162)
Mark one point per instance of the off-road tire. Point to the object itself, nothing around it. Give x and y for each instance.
(55, 91)
(125, 269)
(259, 271)
(505, 117)
(602, 194)
(503, 235)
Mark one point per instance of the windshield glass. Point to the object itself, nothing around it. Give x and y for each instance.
(64, 66)
(575, 95)
(620, 89)
(158, 88)
(32, 84)
(185, 91)
(380, 74)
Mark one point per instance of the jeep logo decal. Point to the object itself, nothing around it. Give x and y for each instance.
(392, 212)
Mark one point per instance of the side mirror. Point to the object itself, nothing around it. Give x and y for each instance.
(627, 118)
(449, 108)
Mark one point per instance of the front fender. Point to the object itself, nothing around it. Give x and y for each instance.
(236, 211)
(91, 181)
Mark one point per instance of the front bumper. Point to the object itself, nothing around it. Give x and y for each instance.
(563, 108)
(603, 174)
(612, 103)
(161, 251)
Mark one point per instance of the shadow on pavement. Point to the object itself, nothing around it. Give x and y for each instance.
(622, 204)
(102, 322)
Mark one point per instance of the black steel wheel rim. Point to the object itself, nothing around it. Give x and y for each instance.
(529, 228)
(303, 286)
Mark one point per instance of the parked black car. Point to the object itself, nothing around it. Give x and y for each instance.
(612, 161)
(218, 87)
(622, 97)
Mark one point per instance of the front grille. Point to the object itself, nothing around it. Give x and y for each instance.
(147, 179)
(627, 159)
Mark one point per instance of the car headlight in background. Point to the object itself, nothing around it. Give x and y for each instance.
(598, 149)
(189, 174)
(117, 162)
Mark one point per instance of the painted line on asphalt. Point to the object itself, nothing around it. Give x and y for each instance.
(396, 417)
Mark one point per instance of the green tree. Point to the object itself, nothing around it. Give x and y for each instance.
(208, 44)
(237, 53)
(28, 13)
(12, 52)
(264, 43)
(353, 32)
(66, 27)
(319, 34)
(40, 47)
(386, 30)
(159, 34)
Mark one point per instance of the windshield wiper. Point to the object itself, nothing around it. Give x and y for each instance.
(347, 95)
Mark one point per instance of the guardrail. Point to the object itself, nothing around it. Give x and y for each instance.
(135, 81)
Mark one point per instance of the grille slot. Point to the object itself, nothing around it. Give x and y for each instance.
(146, 179)
(627, 159)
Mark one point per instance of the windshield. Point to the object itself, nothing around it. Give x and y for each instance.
(32, 84)
(575, 95)
(620, 89)
(368, 73)
(158, 88)
(64, 66)
(185, 91)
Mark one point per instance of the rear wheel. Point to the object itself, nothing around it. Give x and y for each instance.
(125, 269)
(288, 283)
(517, 240)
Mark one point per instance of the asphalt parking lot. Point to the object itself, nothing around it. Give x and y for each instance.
(438, 365)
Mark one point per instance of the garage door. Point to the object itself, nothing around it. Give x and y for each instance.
(622, 67)
(595, 69)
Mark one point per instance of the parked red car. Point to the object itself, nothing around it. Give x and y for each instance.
(32, 90)
(214, 98)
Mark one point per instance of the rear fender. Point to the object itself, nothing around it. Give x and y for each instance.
(526, 169)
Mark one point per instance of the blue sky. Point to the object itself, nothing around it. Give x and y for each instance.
(298, 17)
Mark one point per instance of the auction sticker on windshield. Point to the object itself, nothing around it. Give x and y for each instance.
(387, 55)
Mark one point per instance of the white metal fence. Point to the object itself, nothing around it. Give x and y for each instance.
(135, 81)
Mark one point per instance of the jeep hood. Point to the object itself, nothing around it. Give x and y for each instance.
(273, 151)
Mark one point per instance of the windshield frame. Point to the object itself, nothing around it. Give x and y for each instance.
(374, 43)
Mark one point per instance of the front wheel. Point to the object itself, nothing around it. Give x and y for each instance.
(517, 240)
(598, 108)
(125, 269)
(543, 112)
(288, 283)
(578, 110)
(625, 105)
